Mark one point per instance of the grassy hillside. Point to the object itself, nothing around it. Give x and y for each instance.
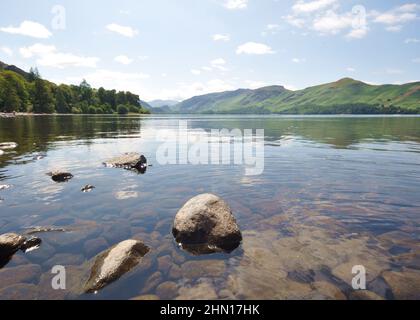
(343, 96)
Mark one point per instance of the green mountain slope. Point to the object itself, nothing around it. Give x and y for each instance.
(343, 96)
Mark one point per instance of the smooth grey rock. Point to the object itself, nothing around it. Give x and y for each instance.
(111, 264)
(205, 224)
(131, 160)
(10, 243)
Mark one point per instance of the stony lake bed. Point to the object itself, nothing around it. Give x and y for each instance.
(335, 192)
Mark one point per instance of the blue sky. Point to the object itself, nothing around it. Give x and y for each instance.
(167, 49)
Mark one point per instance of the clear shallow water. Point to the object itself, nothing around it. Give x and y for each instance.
(335, 192)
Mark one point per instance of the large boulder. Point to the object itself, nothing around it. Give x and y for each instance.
(111, 264)
(205, 224)
(10, 243)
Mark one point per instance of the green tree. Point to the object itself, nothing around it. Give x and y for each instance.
(33, 74)
(43, 101)
(122, 109)
(62, 98)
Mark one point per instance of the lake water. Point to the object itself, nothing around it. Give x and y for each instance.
(336, 191)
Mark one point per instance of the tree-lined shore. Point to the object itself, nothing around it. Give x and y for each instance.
(22, 92)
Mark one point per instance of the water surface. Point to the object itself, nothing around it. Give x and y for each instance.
(336, 191)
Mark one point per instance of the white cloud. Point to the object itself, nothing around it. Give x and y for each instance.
(395, 19)
(122, 30)
(236, 4)
(298, 60)
(311, 6)
(411, 40)
(143, 58)
(208, 69)
(416, 60)
(254, 48)
(30, 29)
(7, 51)
(350, 69)
(272, 26)
(357, 33)
(219, 64)
(37, 49)
(408, 7)
(195, 72)
(295, 21)
(123, 59)
(396, 28)
(332, 23)
(221, 37)
(49, 56)
(322, 17)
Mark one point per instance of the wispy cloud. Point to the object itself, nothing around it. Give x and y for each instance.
(311, 6)
(221, 37)
(219, 64)
(236, 4)
(7, 51)
(122, 30)
(49, 56)
(254, 48)
(298, 60)
(123, 59)
(30, 29)
(325, 18)
(411, 40)
(395, 19)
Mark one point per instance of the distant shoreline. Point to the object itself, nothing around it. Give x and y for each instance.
(29, 114)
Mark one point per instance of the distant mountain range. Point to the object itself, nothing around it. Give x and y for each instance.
(162, 103)
(345, 96)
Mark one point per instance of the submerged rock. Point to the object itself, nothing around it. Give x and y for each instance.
(59, 176)
(34, 230)
(87, 188)
(31, 244)
(205, 224)
(404, 285)
(22, 274)
(111, 264)
(131, 160)
(9, 244)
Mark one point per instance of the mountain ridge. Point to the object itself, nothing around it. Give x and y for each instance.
(345, 95)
